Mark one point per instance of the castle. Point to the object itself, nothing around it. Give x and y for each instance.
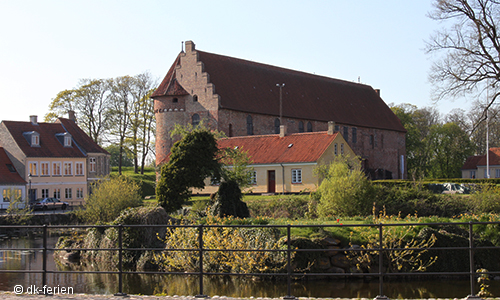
(241, 97)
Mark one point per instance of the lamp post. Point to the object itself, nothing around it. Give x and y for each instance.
(281, 100)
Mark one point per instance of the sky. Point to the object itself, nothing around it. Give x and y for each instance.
(48, 46)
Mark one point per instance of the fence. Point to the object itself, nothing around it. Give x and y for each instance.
(201, 250)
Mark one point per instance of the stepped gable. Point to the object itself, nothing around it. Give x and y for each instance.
(273, 149)
(251, 87)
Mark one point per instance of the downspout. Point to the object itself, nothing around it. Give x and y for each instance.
(283, 177)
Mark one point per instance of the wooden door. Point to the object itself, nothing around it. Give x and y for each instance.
(271, 181)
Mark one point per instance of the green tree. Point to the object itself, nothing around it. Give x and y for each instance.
(450, 146)
(109, 198)
(192, 160)
(127, 159)
(344, 190)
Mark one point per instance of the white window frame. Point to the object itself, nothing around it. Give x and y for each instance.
(33, 168)
(43, 171)
(67, 140)
(68, 166)
(92, 164)
(296, 176)
(79, 193)
(56, 168)
(253, 178)
(497, 173)
(45, 193)
(472, 174)
(79, 169)
(68, 193)
(35, 139)
(57, 193)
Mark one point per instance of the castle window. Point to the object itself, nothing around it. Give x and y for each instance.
(175, 100)
(346, 133)
(276, 125)
(354, 135)
(195, 120)
(337, 128)
(342, 148)
(309, 127)
(195, 98)
(249, 125)
(301, 126)
(230, 131)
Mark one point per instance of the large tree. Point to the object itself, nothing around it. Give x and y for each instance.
(193, 159)
(468, 48)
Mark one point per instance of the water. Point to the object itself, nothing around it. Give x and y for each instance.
(215, 285)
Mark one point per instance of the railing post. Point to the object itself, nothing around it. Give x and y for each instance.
(44, 259)
(200, 249)
(381, 295)
(472, 271)
(120, 262)
(289, 263)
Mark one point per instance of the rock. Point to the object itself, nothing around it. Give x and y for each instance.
(323, 263)
(335, 270)
(329, 241)
(332, 253)
(340, 261)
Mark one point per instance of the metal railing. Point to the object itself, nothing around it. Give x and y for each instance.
(380, 249)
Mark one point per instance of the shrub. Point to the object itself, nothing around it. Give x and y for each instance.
(344, 190)
(109, 198)
(487, 200)
(228, 201)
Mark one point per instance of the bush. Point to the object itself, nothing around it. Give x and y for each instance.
(289, 207)
(109, 199)
(486, 201)
(345, 190)
(228, 201)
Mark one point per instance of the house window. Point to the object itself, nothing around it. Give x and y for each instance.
(253, 178)
(342, 148)
(68, 169)
(45, 193)
(214, 181)
(175, 100)
(309, 127)
(12, 194)
(57, 193)
(335, 150)
(249, 125)
(301, 126)
(497, 173)
(79, 169)
(67, 140)
(195, 98)
(472, 174)
(11, 168)
(346, 133)
(44, 169)
(79, 193)
(6, 195)
(296, 175)
(354, 137)
(33, 168)
(68, 193)
(92, 164)
(195, 120)
(276, 125)
(35, 139)
(56, 169)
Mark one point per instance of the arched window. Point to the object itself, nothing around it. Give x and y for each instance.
(195, 120)
(249, 125)
(276, 125)
(309, 127)
(230, 131)
(195, 98)
(301, 126)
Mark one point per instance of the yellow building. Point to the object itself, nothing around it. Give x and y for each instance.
(285, 163)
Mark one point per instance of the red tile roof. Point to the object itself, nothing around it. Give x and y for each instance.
(271, 149)
(473, 162)
(50, 146)
(163, 88)
(6, 175)
(82, 139)
(251, 87)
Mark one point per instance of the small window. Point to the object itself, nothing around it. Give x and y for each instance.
(175, 100)
(92, 164)
(35, 139)
(56, 169)
(79, 193)
(346, 133)
(342, 148)
(195, 120)
(45, 193)
(253, 178)
(33, 168)
(296, 175)
(68, 169)
(249, 125)
(301, 126)
(473, 174)
(354, 137)
(57, 193)
(337, 128)
(335, 149)
(67, 140)
(276, 125)
(79, 169)
(195, 98)
(68, 193)
(309, 127)
(44, 170)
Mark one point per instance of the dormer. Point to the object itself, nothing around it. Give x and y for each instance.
(65, 139)
(33, 138)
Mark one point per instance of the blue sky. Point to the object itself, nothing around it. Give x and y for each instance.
(47, 46)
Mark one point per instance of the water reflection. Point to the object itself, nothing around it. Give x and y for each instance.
(215, 285)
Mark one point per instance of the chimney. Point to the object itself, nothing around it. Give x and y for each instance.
(378, 92)
(34, 120)
(282, 131)
(190, 46)
(331, 127)
(72, 115)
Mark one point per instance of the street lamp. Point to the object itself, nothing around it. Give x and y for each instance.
(281, 100)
